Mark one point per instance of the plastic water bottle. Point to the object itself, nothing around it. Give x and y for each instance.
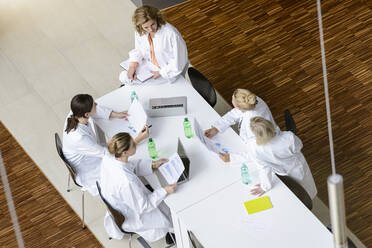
(187, 128)
(246, 179)
(133, 96)
(152, 149)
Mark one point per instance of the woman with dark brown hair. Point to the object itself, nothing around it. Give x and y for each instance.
(158, 44)
(83, 146)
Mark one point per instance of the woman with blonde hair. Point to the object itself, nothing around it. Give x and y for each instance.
(145, 212)
(279, 153)
(158, 44)
(246, 105)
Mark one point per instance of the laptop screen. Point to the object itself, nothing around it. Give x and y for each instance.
(186, 162)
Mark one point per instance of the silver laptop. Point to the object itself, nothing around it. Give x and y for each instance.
(167, 106)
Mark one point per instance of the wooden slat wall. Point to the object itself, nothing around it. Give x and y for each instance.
(46, 220)
(272, 48)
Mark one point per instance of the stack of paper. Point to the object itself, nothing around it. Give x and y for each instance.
(143, 70)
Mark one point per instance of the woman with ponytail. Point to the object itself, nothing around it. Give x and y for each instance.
(145, 212)
(246, 105)
(83, 144)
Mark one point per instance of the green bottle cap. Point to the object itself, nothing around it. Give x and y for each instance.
(186, 119)
(150, 139)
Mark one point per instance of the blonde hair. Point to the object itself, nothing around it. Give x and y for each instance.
(119, 144)
(245, 99)
(145, 13)
(263, 130)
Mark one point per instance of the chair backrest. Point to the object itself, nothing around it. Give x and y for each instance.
(118, 217)
(202, 86)
(289, 122)
(60, 153)
(194, 241)
(298, 190)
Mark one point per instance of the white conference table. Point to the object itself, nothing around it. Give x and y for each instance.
(221, 221)
(209, 176)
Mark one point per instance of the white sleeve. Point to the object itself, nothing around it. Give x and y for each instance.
(138, 201)
(296, 144)
(137, 54)
(143, 167)
(89, 147)
(266, 177)
(102, 112)
(230, 118)
(176, 64)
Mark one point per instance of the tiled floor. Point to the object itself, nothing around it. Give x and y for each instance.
(50, 51)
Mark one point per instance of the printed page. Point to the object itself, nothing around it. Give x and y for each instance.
(142, 70)
(137, 116)
(199, 132)
(172, 170)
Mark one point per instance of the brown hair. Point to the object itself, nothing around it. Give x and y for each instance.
(263, 130)
(145, 13)
(119, 144)
(245, 99)
(80, 105)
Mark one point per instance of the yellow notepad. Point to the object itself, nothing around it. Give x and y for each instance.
(258, 205)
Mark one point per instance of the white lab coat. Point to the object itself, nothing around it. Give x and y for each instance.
(145, 213)
(282, 156)
(170, 52)
(84, 148)
(244, 119)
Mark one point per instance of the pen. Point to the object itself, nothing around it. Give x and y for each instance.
(149, 126)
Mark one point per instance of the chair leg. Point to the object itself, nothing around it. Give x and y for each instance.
(130, 241)
(68, 183)
(82, 207)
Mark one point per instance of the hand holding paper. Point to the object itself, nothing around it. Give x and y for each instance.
(137, 116)
(172, 170)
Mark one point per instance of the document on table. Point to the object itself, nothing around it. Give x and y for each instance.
(137, 116)
(214, 147)
(172, 170)
(258, 205)
(142, 71)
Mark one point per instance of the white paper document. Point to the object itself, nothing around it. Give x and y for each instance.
(212, 146)
(172, 170)
(142, 71)
(137, 116)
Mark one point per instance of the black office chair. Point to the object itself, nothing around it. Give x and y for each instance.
(350, 244)
(202, 86)
(298, 190)
(194, 241)
(289, 122)
(71, 173)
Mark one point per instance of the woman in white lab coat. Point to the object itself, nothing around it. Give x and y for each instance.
(83, 144)
(246, 105)
(145, 212)
(279, 153)
(158, 43)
